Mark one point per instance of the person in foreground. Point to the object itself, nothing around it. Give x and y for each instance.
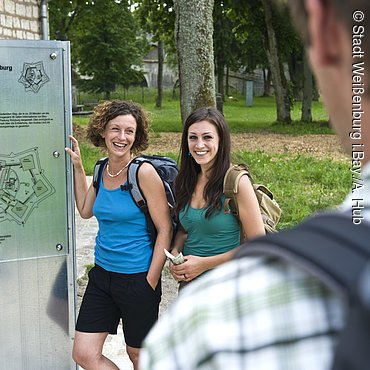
(125, 280)
(267, 313)
(208, 235)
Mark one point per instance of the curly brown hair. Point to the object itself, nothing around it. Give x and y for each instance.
(108, 110)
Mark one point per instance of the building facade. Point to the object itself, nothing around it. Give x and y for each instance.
(150, 69)
(21, 19)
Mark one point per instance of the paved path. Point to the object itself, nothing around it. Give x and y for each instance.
(114, 347)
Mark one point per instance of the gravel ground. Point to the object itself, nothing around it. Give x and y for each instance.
(318, 146)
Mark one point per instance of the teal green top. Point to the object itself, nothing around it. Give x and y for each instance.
(209, 236)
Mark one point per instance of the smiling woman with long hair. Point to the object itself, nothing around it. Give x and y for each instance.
(208, 236)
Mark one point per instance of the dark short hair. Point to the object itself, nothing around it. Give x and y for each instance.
(108, 110)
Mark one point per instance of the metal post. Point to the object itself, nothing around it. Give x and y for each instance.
(249, 94)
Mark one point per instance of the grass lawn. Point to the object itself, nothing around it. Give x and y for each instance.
(302, 185)
(258, 118)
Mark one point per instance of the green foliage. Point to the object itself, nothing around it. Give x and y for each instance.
(109, 44)
(226, 46)
(157, 18)
(302, 185)
(62, 15)
(90, 154)
(250, 33)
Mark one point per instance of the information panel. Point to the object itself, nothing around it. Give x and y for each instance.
(37, 272)
(33, 220)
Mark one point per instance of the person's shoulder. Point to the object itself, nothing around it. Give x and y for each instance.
(245, 183)
(147, 171)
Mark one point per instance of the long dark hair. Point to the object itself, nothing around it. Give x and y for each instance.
(189, 169)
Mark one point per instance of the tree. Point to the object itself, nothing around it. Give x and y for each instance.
(222, 39)
(158, 101)
(277, 71)
(110, 47)
(157, 18)
(62, 16)
(307, 91)
(229, 49)
(193, 35)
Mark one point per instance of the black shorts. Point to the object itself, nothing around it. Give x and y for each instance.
(110, 296)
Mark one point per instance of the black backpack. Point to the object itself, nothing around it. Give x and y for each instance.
(167, 171)
(332, 248)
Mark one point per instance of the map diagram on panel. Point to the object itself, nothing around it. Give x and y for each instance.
(33, 76)
(23, 185)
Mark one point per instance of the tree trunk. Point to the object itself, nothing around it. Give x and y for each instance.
(277, 72)
(227, 81)
(307, 91)
(194, 40)
(296, 75)
(315, 91)
(158, 101)
(220, 79)
(220, 95)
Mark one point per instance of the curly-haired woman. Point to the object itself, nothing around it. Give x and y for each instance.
(125, 280)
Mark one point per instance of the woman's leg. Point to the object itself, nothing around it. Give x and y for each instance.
(87, 351)
(133, 354)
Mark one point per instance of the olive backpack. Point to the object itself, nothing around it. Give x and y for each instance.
(270, 210)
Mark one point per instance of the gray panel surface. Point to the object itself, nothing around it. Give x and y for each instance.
(34, 318)
(37, 271)
(32, 128)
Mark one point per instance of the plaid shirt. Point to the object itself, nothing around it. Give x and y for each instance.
(254, 313)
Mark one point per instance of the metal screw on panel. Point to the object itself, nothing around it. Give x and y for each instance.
(56, 154)
(53, 56)
(59, 247)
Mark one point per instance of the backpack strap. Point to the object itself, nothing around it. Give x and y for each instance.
(230, 189)
(337, 252)
(136, 193)
(133, 182)
(98, 172)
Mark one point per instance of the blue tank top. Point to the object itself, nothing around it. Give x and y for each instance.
(123, 242)
(209, 236)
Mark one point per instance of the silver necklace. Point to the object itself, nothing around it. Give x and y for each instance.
(119, 172)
